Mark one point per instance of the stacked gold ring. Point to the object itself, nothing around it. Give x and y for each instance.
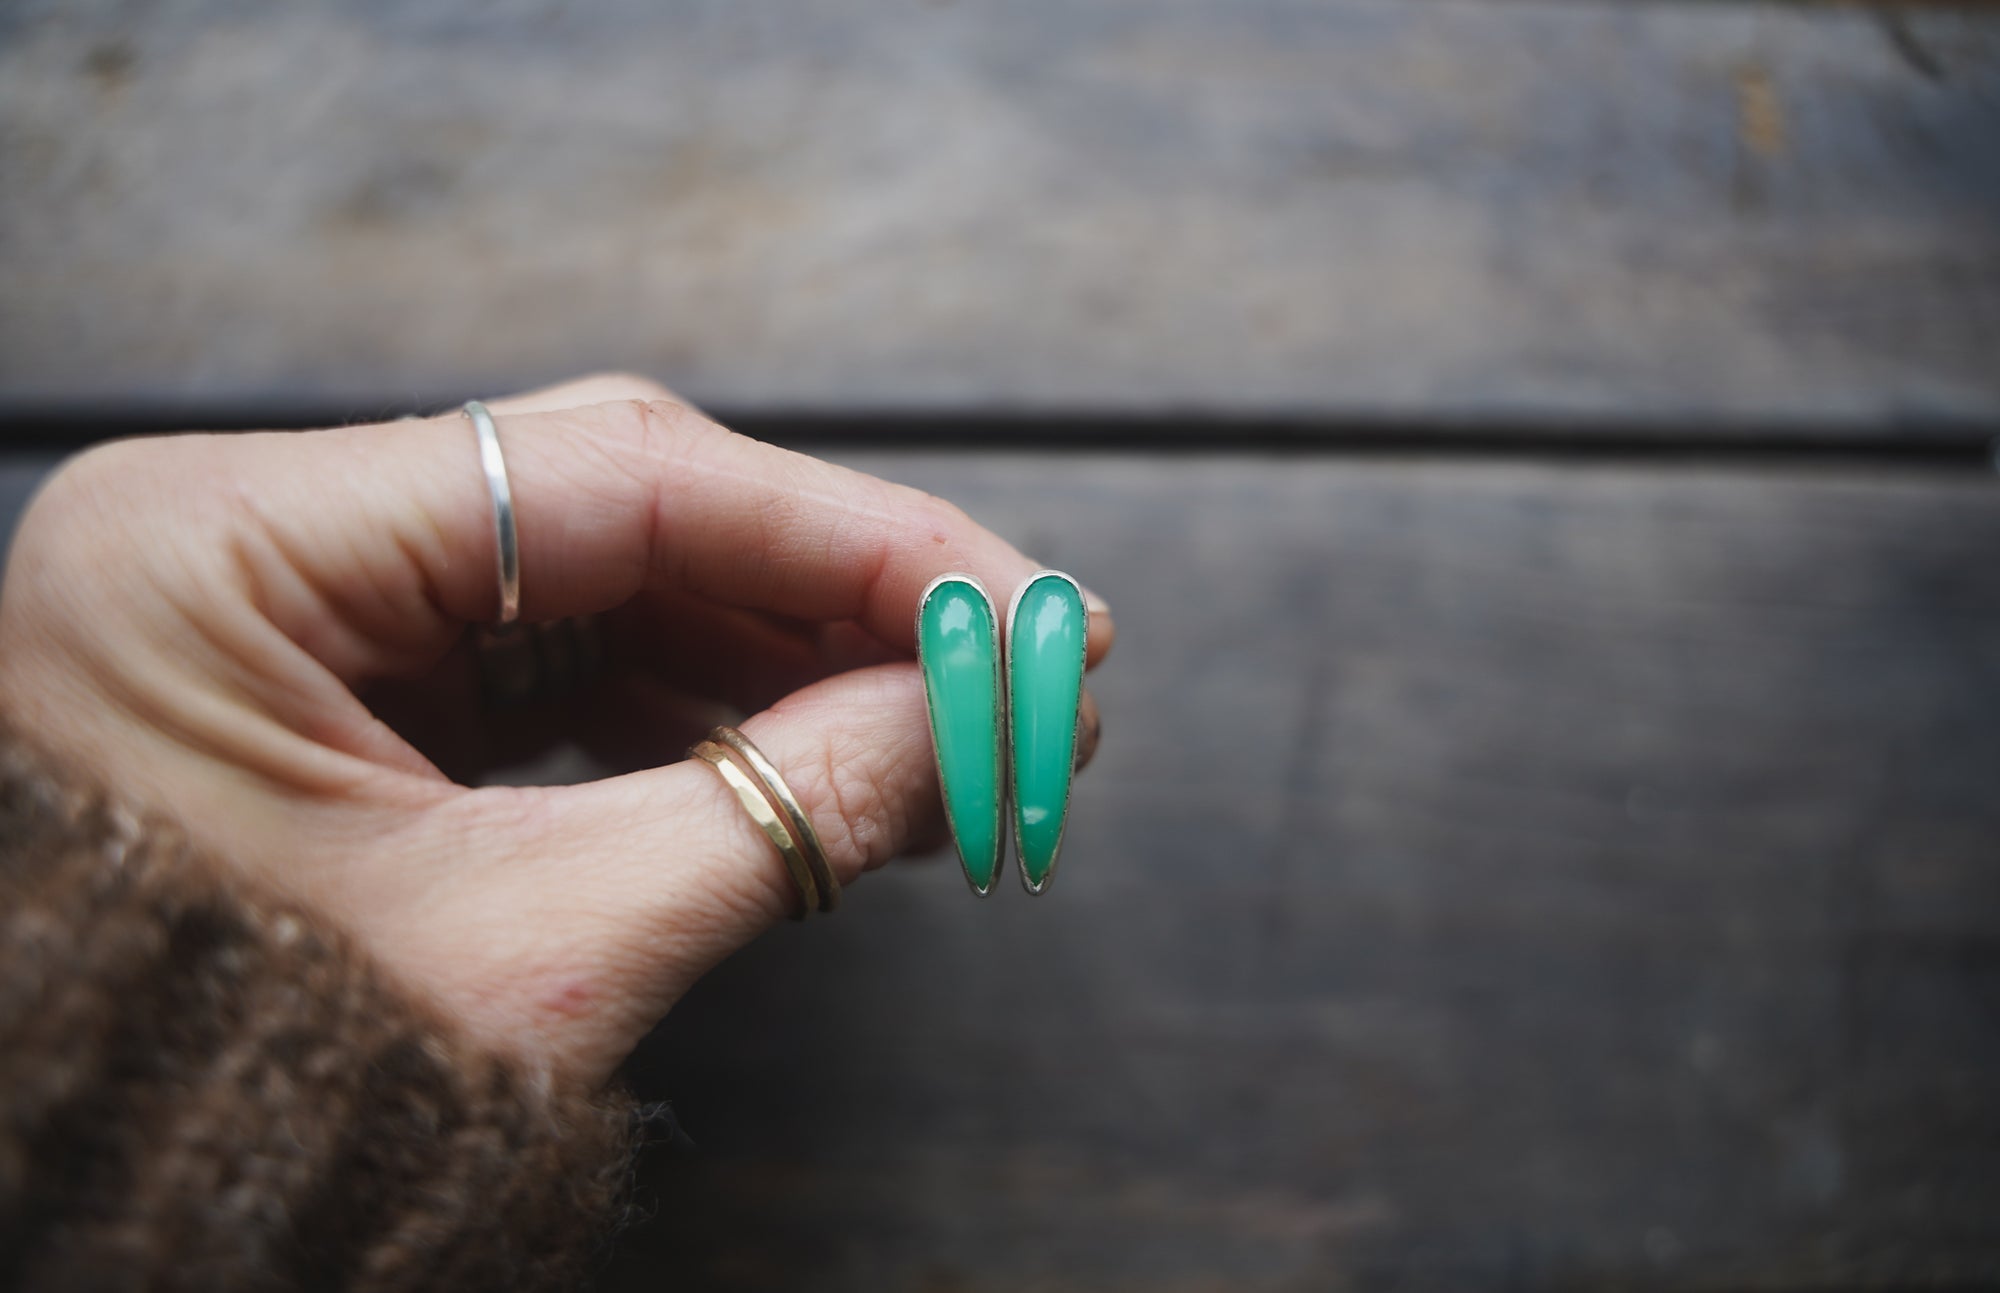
(777, 812)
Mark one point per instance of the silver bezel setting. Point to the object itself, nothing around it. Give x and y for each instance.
(1007, 706)
(1001, 778)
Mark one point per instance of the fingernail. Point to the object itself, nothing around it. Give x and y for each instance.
(1094, 604)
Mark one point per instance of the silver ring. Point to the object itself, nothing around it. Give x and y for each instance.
(505, 540)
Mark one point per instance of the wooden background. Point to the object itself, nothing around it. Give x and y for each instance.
(1778, 215)
(1546, 834)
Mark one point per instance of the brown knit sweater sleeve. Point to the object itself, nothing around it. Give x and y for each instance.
(201, 1089)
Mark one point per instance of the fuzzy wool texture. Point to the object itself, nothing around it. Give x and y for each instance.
(203, 1088)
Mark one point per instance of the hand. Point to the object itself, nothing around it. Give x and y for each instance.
(221, 627)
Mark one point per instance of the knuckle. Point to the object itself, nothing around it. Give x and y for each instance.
(77, 505)
(937, 521)
(654, 428)
(81, 555)
(944, 513)
(94, 470)
(667, 416)
(625, 440)
(641, 386)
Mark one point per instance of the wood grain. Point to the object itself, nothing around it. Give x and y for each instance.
(1494, 876)
(1777, 219)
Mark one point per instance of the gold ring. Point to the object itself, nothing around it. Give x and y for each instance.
(777, 812)
(794, 812)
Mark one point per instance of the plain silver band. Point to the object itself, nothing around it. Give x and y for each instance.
(505, 540)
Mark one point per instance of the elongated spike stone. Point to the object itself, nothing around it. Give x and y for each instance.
(1045, 646)
(958, 644)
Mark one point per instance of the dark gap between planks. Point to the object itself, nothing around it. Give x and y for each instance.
(1954, 446)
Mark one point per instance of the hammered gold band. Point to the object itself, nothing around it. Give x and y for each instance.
(777, 812)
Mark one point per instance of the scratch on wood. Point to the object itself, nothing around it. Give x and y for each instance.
(1896, 28)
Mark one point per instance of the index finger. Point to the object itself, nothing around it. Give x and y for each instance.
(612, 498)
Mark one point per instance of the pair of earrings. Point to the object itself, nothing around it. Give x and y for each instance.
(1015, 720)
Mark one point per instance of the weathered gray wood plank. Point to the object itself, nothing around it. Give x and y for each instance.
(1762, 215)
(1494, 877)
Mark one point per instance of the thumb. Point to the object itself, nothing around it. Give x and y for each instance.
(606, 901)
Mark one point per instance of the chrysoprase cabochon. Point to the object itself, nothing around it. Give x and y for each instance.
(958, 648)
(1047, 631)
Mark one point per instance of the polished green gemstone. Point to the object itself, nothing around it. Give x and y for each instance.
(958, 644)
(1045, 645)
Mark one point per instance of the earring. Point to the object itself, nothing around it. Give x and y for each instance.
(1046, 630)
(958, 650)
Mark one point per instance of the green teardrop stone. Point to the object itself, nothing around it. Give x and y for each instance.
(958, 645)
(1045, 648)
